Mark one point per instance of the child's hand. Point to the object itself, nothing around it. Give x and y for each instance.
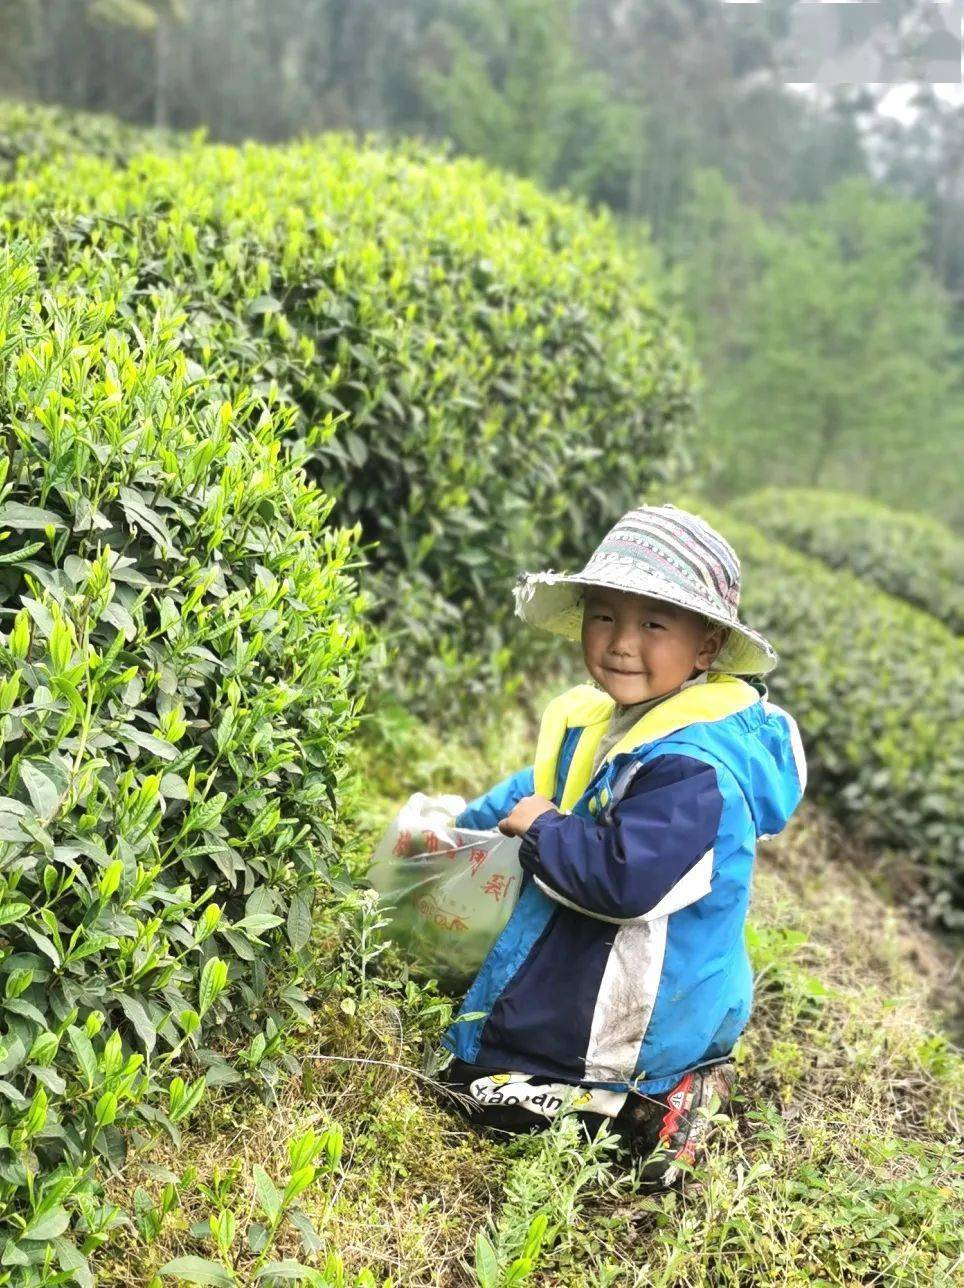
(529, 808)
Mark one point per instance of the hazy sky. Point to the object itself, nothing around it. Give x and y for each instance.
(896, 103)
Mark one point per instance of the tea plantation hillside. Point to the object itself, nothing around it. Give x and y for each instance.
(281, 426)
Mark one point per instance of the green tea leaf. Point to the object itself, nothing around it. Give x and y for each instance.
(221, 1074)
(264, 304)
(299, 922)
(106, 1110)
(156, 746)
(136, 1012)
(40, 614)
(486, 1262)
(267, 1193)
(213, 979)
(258, 922)
(48, 1225)
(43, 793)
(143, 516)
(13, 1255)
(84, 1052)
(289, 1269)
(43, 943)
(12, 911)
(111, 878)
(197, 1270)
(18, 556)
(24, 517)
(174, 787)
(118, 616)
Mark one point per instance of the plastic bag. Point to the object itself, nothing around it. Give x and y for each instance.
(447, 892)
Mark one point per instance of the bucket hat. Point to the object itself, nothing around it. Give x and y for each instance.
(666, 553)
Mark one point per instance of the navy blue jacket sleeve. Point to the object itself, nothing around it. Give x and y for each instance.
(656, 850)
(487, 810)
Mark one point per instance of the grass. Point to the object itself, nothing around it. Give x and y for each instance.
(837, 1165)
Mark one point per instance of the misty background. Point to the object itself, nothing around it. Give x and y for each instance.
(811, 239)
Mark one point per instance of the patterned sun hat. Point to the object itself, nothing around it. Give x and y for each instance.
(663, 552)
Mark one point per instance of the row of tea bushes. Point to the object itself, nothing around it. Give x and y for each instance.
(179, 658)
(875, 687)
(912, 556)
(39, 131)
(481, 374)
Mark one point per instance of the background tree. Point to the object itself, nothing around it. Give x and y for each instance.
(515, 90)
(925, 159)
(827, 347)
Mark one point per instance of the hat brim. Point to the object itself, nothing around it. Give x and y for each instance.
(552, 602)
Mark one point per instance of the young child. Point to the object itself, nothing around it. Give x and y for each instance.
(621, 981)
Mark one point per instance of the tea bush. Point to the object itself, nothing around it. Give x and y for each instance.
(178, 679)
(875, 687)
(909, 555)
(42, 131)
(481, 374)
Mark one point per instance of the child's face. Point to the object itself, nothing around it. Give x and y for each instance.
(639, 648)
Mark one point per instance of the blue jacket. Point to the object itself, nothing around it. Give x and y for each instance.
(623, 964)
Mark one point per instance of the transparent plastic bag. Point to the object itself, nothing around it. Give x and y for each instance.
(446, 892)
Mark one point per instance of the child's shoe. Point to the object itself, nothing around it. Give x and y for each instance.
(669, 1129)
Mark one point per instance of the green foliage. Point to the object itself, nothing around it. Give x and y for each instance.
(827, 345)
(478, 373)
(911, 556)
(177, 683)
(518, 93)
(780, 1209)
(875, 687)
(244, 1229)
(138, 15)
(46, 132)
(549, 1180)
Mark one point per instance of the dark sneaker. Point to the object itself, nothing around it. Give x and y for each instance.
(669, 1128)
